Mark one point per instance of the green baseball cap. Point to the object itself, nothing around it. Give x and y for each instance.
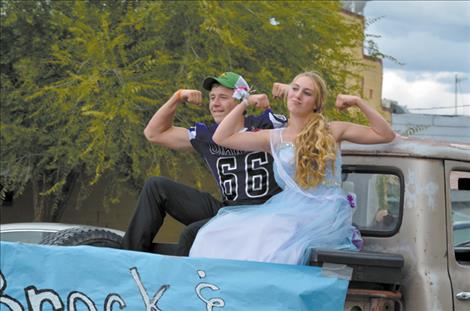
(227, 79)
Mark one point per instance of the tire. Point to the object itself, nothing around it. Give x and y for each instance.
(84, 236)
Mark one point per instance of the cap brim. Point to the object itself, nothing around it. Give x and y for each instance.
(208, 82)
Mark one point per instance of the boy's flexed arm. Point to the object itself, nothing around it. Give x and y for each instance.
(160, 129)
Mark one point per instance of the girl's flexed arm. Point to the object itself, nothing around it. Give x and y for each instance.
(228, 132)
(378, 132)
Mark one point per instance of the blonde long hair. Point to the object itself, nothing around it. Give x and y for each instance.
(315, 144)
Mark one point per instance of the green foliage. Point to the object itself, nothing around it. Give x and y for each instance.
(80, 79)
(372, 47)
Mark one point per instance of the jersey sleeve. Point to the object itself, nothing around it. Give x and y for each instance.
(198, 136)
(192, 133)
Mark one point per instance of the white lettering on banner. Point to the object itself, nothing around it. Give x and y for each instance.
(112, 298)
(37, 297)
(45, 299)
(74, 296)
(12, 303)
(213, 302)
(150, 305)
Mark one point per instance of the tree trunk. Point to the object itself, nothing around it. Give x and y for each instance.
(63, 200)
(51, 207)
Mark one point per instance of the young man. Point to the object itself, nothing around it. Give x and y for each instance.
(243, 177)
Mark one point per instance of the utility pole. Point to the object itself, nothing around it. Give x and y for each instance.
(457, 81)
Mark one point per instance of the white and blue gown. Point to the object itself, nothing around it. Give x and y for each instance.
(286, 227)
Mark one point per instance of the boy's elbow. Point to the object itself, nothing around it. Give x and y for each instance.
(147, 133)
(150, 136)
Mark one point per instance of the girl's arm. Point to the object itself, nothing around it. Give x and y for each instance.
(229, 135)
(378, 132)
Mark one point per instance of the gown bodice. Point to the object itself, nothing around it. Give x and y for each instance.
(284, 166)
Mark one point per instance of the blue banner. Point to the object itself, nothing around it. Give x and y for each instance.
(35, 277)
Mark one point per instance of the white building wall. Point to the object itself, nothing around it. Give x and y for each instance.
(447, 128)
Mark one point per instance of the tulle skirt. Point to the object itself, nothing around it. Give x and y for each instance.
(282, 230)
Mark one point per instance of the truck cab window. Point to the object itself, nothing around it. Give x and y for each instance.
(379, 198)
(460, 199)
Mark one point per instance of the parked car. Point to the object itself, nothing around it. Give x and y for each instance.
(60, 234)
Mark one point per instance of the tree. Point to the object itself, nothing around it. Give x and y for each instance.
(80, 79)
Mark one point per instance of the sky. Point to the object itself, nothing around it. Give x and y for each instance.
(432, 40)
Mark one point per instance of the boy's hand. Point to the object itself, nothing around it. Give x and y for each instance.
(280, 90)
(190, 96)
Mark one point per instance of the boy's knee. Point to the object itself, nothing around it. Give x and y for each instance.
(156, 182)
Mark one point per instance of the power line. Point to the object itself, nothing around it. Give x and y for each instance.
(448, 107)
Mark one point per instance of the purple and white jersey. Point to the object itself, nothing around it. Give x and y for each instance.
(244, 177)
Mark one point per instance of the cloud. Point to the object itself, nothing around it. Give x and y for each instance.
(422, 15)
(424, 51)
(432, 38)
(425, 35)
(423, 90)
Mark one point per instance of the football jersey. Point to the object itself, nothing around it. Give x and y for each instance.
(244, 177)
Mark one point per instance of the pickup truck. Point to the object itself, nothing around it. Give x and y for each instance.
(413, 210)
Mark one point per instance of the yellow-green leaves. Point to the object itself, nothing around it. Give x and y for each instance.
(84, 77)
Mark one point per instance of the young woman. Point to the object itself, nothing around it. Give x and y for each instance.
(312, 211)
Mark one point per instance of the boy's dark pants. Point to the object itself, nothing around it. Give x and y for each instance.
(160, 196)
